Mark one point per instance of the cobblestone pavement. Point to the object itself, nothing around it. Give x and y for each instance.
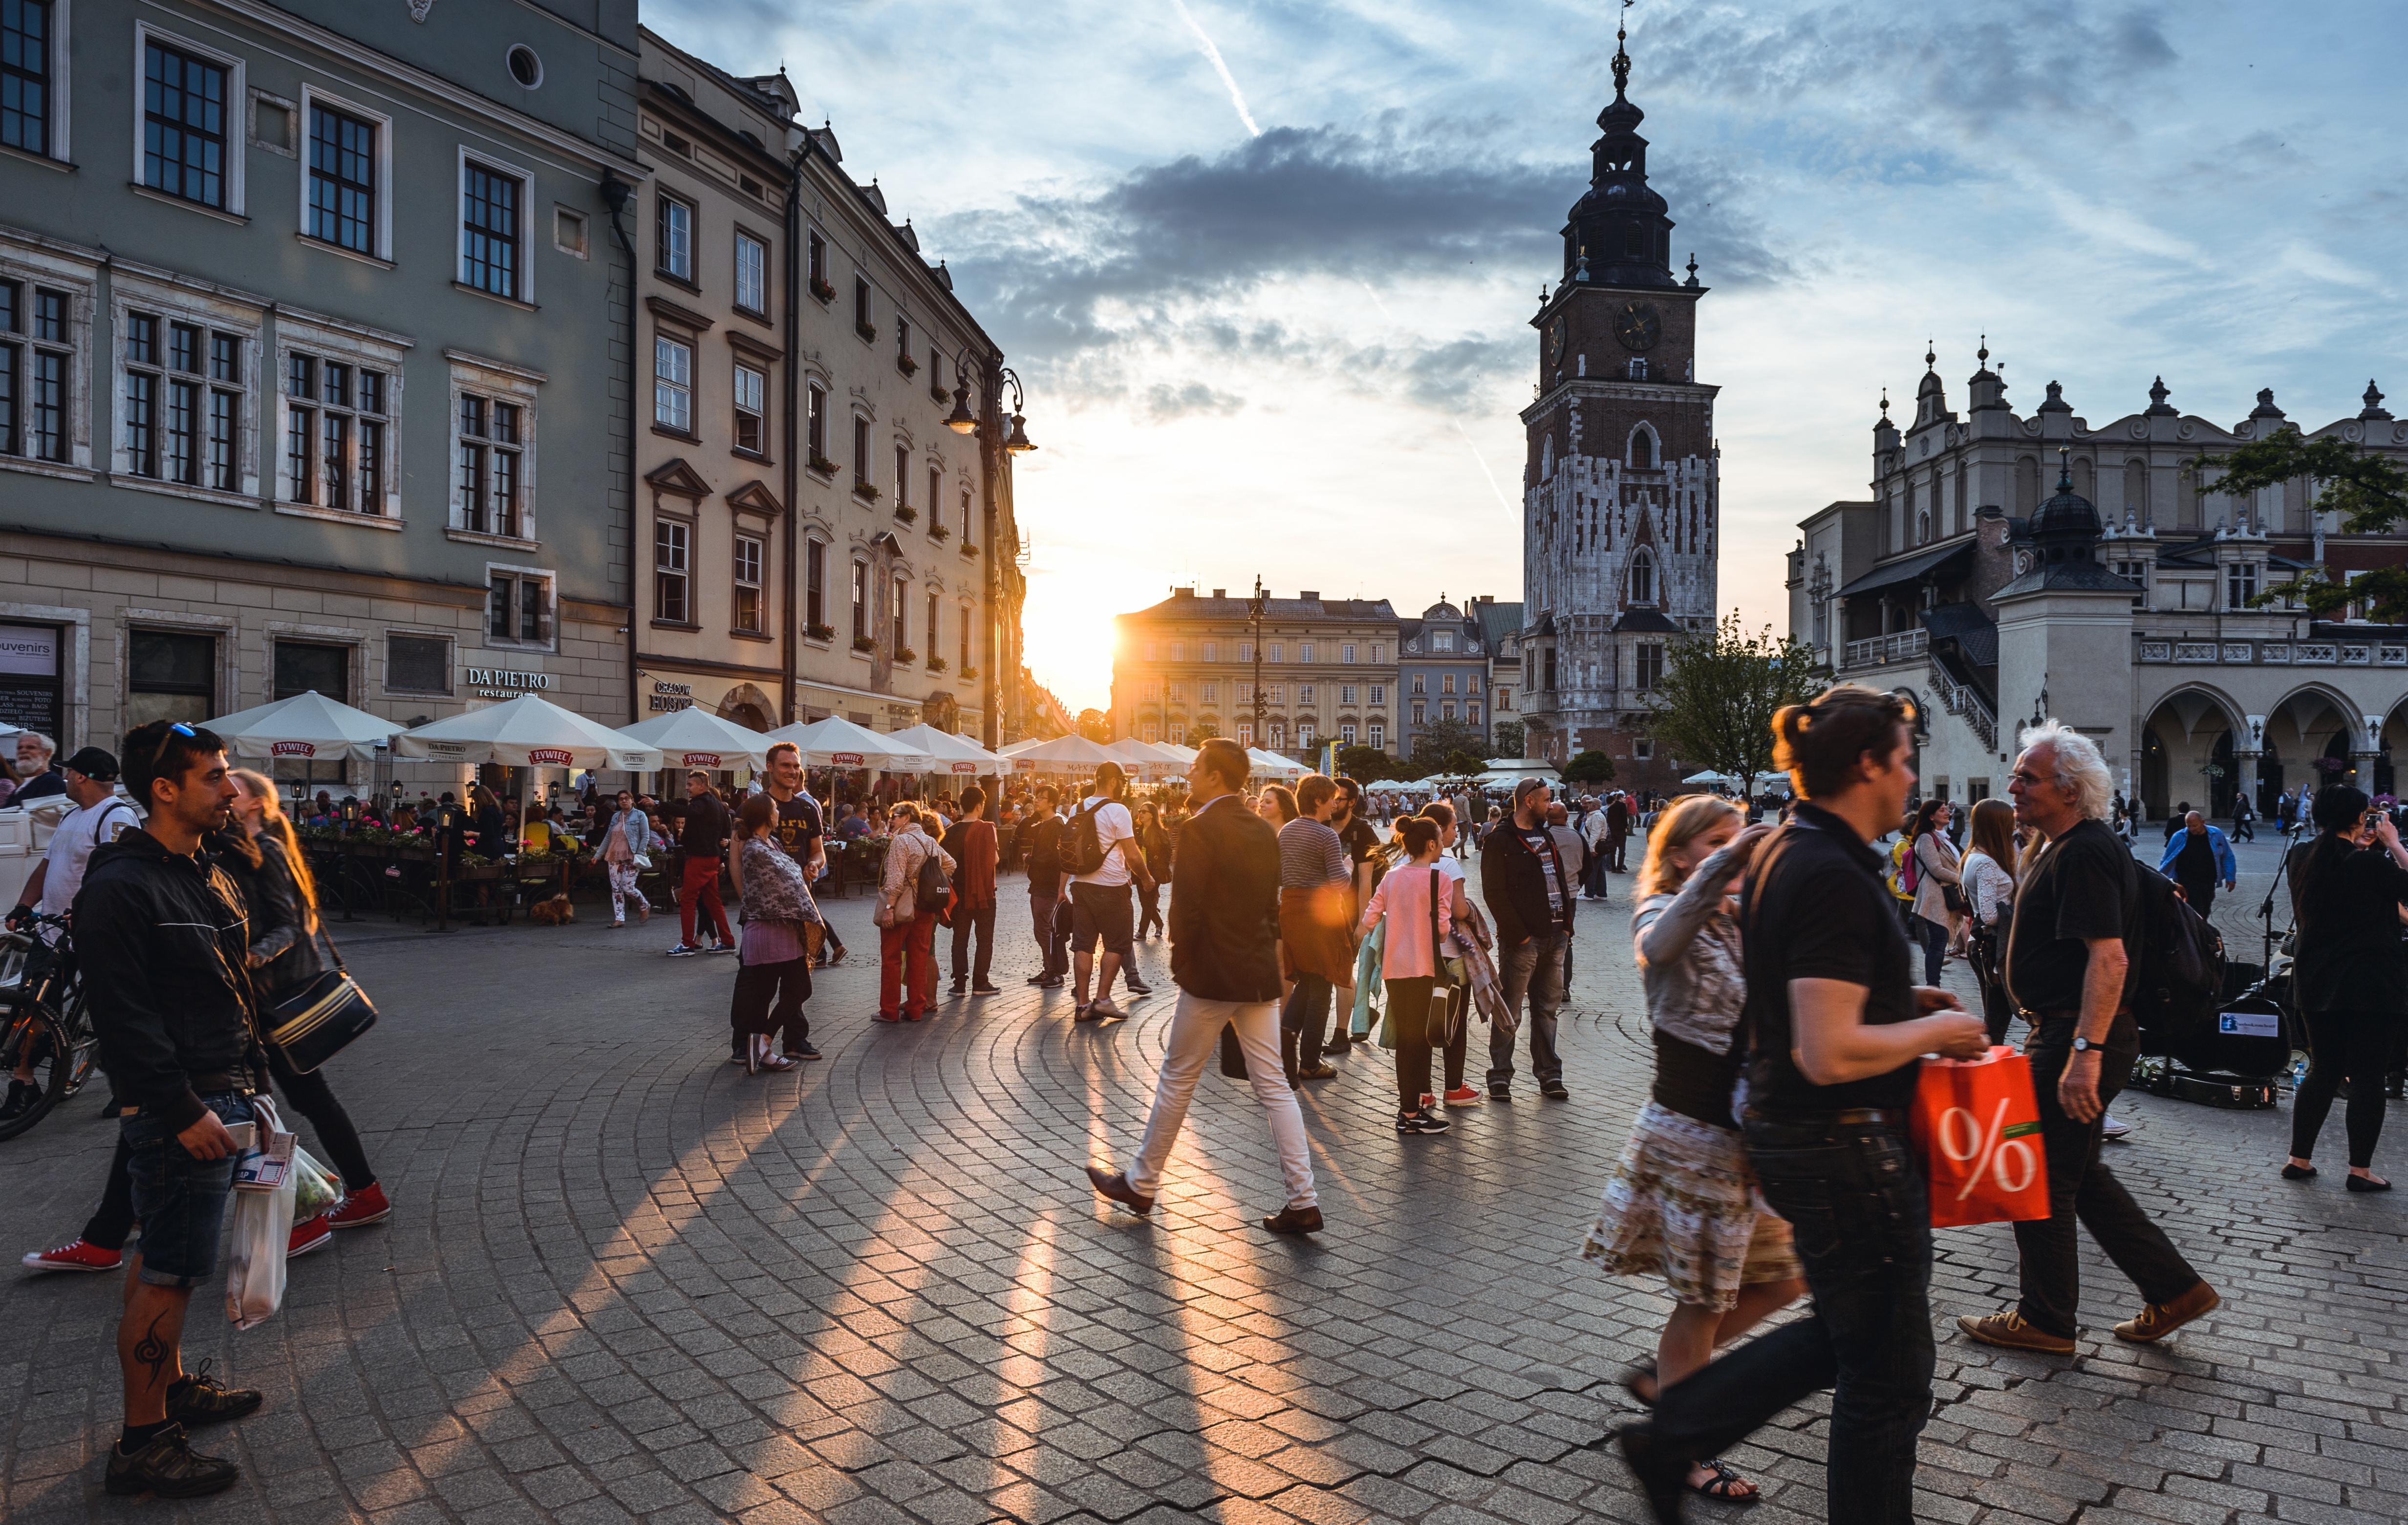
(622, 1280)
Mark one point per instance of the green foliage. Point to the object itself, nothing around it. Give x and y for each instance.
(1715, 704)
(1509, 739)
(2370, 491)
(1591, 767)
(1443, 747)
(1367, 765)
(1202, 732)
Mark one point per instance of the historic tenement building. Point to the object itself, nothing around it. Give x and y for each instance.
(1619, 495)
(1443, 674)
(1185, 668)
(2007, 565)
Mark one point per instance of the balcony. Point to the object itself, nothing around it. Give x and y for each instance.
(1885, 651)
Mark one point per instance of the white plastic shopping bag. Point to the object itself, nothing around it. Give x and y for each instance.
(262, 1222)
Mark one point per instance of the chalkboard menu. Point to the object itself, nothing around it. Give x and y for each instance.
(29, 681)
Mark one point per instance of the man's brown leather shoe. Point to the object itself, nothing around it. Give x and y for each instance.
(1295, 1221)
(1114, 1184)
(2009, 1331)
(2159, 1319)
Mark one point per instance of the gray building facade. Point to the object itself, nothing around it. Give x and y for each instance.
(314, 359)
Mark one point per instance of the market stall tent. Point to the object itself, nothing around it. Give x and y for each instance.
(835, 741)
(529, 731)
(307, 727)
(696, 738)
(1062, 755)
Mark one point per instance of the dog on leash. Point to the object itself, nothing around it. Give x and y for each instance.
(556, 912)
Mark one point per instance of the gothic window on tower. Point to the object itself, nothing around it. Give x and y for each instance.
(1642, 449)
(1923, 527)
(1642, 578)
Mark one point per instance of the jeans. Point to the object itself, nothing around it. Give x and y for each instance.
(769, 999)
(1536, 967)
(699, 890)
(1934, 938)
(181, 1200)
(1195, 1036)
(1862, 1218)
(907, 967)
(2081, 1189)
(978, 919)
(2356, 1047)
(1304, 1023)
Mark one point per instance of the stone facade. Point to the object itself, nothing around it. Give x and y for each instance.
(1185, 668)
(1621, 507)
(1938, 586)
(275, 422)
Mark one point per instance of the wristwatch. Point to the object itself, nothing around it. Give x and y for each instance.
(2083, 1046)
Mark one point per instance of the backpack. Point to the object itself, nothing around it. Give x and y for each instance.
(1083, 847)
(2180, 959)
(931, 889)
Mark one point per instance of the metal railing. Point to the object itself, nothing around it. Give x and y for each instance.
(1879, 651)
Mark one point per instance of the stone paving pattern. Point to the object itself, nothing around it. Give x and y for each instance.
(624, 1281)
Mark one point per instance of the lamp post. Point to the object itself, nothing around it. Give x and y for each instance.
(995, 443)
(1256, 607)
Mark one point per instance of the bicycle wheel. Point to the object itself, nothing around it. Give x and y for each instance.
(36, 1031)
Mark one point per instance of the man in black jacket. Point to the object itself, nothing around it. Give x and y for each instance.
(161, 937)
(1528, 887)
(1224, 954)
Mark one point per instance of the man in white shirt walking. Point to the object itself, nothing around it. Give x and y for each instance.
(1099, 897)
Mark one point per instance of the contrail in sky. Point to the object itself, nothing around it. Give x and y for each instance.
(1237, 97)
(1484, 465)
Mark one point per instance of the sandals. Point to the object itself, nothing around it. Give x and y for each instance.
(1724, 1485)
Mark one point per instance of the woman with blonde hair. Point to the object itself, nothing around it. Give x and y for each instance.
(1681, 1203)
(1988, 877)
(288, 949)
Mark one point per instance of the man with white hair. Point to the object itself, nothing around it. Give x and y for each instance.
(37, 777)
(2068, 970)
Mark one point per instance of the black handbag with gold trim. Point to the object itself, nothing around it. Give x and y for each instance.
(317, 1021)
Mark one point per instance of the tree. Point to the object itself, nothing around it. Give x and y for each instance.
(1591, 767)
(1510, 739)
(1094, 725)
(1450, 746)
(1366, 765)
(2370, 491)
(1202, 732)
(1715, 704)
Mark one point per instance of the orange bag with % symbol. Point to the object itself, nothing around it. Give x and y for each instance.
(1976, 1124)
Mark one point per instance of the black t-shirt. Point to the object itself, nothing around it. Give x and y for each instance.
(2195, 865)
(798, 829)
(1045, 855)
(1361, 839)
(2084, 884)
(1814, 907)
(2347, 907)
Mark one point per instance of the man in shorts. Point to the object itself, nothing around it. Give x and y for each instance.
(1099, 900)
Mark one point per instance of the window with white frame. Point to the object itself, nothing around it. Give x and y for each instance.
(815, 588)
(1178, 693)
(932, 631)
(1642, 748)
(189, 94)
(1346, 652)
(673, 238)
(1304, 650)
(902, 476)
(1346, 733)
(1421, 682)
(493, 230)
(33, 76)
(518, 607)
(1446, 709)
(752, 274)
(1443, 640)
(1178, 733)
(1148, 732)
(344, 196)
(751, 393)
(815, 428)
(494, 448)
(899, 616)
(672, 571)
(1345, 693)
(338, 433)
(1304, 733)
(43, 328)
(1211, 651)
(1149, 651)
(747, 616)
(672, 385)
(860, 602)
(1277, 651)
(1378, 693)
(1212, 693)
(1179, 651)
(2240, 585)
(1379, 734)
(1471, 713)
(1647, 665)
(1420, 714)
(967, 619)
(183, 399)
(1304, 694)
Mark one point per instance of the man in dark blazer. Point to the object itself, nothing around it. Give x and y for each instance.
(1529, 888)
(1224, 891)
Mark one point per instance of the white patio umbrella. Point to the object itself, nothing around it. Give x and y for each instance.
(1180, 755)
(951, 754)
(696, 738)
(1062, 755)
(529, 731)
(1145, 760)
(308, 727)
(834, 741)
(1709, 778)
(1272, 765)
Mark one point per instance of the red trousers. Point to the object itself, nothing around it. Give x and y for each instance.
(701, 890)
(907, 967)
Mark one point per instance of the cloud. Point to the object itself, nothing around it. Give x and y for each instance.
(1164, 402)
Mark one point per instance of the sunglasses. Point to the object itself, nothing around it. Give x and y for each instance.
(180, 729)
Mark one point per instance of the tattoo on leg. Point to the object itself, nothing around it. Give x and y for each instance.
(154, 1352)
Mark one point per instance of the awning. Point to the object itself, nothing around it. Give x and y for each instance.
(1912, 570)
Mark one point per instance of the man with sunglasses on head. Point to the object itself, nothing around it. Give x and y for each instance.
(160, 936)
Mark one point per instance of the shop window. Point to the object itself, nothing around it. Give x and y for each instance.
(169, 675)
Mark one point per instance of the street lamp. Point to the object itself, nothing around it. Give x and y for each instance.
(962, 420)
(1256, 607)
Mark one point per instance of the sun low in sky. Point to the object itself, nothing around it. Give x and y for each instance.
(1268, 270)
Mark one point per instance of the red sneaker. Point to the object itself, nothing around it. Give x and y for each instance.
(361, 1208)
(312, 1235)
(79, 1256)
(1463, 1096)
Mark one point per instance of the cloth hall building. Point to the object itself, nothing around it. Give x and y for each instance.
(2007, 565)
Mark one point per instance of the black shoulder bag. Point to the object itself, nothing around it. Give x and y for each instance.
(318, 1020)
(1442, 1008)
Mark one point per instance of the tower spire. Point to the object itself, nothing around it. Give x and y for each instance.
(1621, 53)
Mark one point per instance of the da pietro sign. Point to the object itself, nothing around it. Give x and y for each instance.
(503, 683)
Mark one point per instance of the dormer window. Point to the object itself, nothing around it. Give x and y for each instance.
(2240, 585)
(1642, 578)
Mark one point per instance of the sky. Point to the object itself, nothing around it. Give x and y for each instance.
(1268, 268)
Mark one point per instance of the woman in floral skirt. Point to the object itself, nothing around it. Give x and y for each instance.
(1683, 1203)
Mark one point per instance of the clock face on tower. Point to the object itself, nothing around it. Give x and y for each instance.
(1555, 340)
(1638, 326)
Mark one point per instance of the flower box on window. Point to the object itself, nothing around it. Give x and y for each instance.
(864, 492)
(906, 513)
(938, 533)
(862, 644)
(908, 366)
(937, 393)
(867, 331)
(969, 550)
(936, 664)
(821, 464)
(907, 654)
(820, 632)
(823, 289)
(969, 672)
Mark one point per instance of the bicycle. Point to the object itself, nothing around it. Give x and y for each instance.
(45, 1017)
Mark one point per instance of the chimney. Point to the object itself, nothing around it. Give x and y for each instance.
(1308, 595)
(1220, 593)
(1182, 593)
